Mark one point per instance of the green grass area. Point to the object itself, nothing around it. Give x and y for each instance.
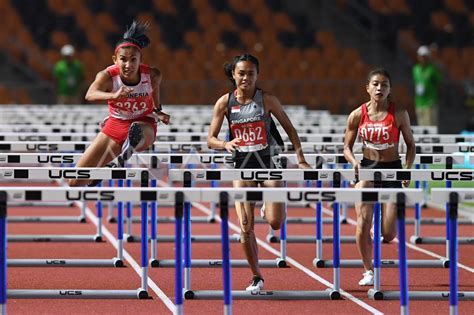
(454, 184)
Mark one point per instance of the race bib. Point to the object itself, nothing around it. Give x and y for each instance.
(253, 135)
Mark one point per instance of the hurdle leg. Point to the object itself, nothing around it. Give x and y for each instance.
(128, 219)
(110, 215)
(344, 206)
(448, 226)
(281, 261)
(153, 228)
(187, 246)
(402, 266)
(375, 293)
(120, 227)
(415, 239)
(336, 246)
(212, 215)
(224, 205)
(178, 241)
(3, 252)
(319, 261)
(453, 254)
(98, 236)
(144, 249)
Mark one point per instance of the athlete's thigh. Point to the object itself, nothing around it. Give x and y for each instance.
(101, 151)
(364, 210)
(245, 209)
(148, 135)
(273, 208)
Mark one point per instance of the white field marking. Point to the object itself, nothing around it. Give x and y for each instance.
(289, 259)
(409, 245)
(138, 269)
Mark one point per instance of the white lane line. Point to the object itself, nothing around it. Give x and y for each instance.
(410, 245)
(296, 264)
(138, 269)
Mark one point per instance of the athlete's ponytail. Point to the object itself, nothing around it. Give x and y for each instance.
(135, 36)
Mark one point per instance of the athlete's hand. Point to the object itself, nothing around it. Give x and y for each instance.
(122, 92)
(233, 145)
(304, 165)
(356, 168)
(164, 118)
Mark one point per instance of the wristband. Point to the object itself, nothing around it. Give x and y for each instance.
(158, 108)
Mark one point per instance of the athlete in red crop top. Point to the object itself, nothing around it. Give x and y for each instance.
(131, 90)
(378, 123)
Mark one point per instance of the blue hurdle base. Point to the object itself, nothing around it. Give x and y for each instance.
(217, 263)
(419, 295)
(77, 294)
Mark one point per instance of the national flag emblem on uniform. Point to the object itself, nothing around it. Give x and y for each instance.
(235, 109)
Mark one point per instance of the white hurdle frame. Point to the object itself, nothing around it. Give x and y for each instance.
(336, 195)
(101, 194)
(46, 173)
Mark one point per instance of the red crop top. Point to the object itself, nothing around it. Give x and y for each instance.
(379, 135)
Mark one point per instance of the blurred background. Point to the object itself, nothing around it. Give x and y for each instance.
(312, 52)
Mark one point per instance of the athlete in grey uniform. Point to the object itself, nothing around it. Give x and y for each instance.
(249, 111)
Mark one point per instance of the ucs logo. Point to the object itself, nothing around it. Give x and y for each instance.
(70, 292)
(452, 175)
(311, 196)
(261, 175)
(93, 195)
(41, 147)
(216, 159)
(64, 173)
(56, 159)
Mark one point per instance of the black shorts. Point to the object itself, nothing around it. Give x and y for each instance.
(366, 163)
(255, 161)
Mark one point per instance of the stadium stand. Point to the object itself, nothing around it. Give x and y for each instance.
(301, 63)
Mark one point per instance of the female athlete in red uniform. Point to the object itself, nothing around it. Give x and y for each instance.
(378, 123)
(254, 144)
(131, 90)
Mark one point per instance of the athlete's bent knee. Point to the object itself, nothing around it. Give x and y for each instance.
(245, 237)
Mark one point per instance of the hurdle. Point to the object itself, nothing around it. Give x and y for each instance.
(92, 194)
(182, 127)
(3, 252)
(377, 176)
(166, 147)
(452, 197)
(336, 195)
(202, 136)
(79, 173)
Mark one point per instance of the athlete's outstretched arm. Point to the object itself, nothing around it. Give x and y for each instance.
(100, 89)
(156, 77)
(218, 115)
(350, 137)
(274, 107)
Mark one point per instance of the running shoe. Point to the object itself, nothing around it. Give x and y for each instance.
(368, 278)
(262, 211)
(256, 284)
(135, 134)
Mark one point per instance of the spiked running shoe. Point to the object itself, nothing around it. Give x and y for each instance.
(255, 285)
(135, 134)
(368, 278)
